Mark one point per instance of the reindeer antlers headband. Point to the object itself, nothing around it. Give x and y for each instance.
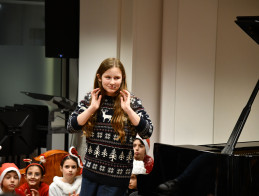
(74, 153)
(42, 160)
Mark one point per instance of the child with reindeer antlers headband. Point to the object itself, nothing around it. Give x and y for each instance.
(70, 183)
(34, 173)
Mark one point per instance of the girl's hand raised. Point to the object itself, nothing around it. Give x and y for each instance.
(34, 192)
(125, 105)
(96, 99)
(125, 100)
(95, 104)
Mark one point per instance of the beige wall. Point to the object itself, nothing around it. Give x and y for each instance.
(192, 57)
(237, 71)
(191, 65)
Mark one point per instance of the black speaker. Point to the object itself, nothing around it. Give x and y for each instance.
(62, 28)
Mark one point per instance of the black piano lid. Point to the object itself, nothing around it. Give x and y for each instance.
(241, 148)
(250, 25)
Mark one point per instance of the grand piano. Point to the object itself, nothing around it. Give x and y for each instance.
(230, 169)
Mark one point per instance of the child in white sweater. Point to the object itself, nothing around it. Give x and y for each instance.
(70, 183)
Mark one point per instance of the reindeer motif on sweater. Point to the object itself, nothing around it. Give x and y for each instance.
(105, 115)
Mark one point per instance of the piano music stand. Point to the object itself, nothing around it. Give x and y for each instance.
(250, 25)
(9, 133)
(57, 104)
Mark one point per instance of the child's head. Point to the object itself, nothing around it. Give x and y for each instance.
(69, 167)
(9, 177)
(110, 68)
(138, 168)
(133, 182)
(34, 173)
(140, 147)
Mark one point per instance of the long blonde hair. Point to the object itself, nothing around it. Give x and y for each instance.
(119, 117)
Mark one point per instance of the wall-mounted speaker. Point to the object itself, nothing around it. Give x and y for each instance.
(62, 28)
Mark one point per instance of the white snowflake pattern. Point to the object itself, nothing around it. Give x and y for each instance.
(119, 171)
(113, 155)
(139, 102)
(140, 115)
(102, 168)
(128, 171)
(97, 151)
(99, 135)
(122, 156)
(107, 136)
(129, 157)
(104, 153)
(94, 166)
(132, 100)
(92, 134)
(90, 150)
(110, 170)
(88, 164)
(115, 137)
(131, 139)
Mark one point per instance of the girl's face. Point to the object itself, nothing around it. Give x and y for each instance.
(139, 150)
(10, 182)
(111, 80)
(69, 170)
(133, 182)
(33, 176)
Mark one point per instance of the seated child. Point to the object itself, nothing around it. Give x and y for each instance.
(34, 173)
(10, 177)
(142, 163)
(138, 168)
(70, 183)
(141, 148)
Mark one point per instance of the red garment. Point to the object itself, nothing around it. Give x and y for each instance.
(148, 162)
(43, 190)
(19, 192)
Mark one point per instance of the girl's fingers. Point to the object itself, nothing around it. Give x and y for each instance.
(95, 93)
(34, 192)
(128, 93)
(123, 95)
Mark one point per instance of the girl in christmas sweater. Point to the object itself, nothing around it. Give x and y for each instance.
(110, 117)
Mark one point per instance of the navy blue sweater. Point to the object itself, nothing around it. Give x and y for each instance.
(108, 161)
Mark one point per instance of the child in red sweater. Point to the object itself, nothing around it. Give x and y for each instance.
(34, 173)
